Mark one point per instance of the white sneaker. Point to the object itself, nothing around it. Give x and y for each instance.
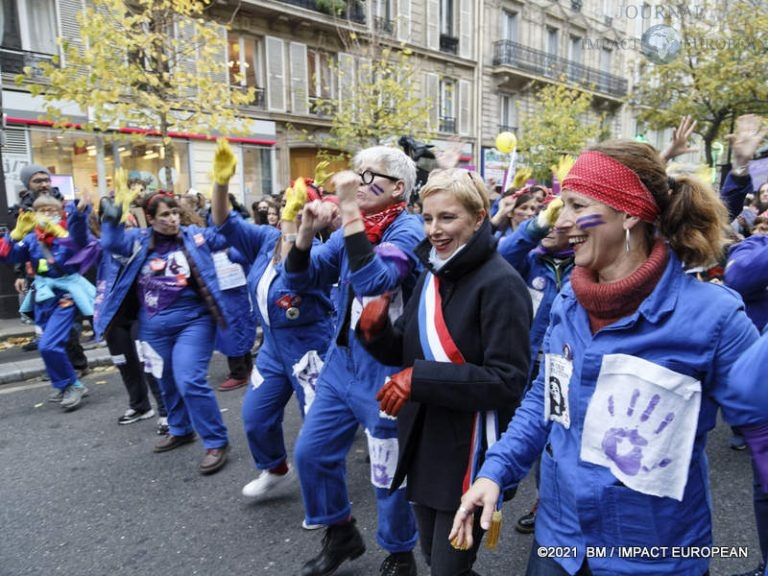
(269, 485)
(311, 526)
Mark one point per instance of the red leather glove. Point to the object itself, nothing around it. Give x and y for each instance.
(395, 392)
(373, 318)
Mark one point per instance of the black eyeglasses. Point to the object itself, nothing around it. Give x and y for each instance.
(367, 176)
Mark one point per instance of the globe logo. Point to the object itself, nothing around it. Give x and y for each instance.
(660, 44)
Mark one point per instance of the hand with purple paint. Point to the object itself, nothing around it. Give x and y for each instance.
(625, 446)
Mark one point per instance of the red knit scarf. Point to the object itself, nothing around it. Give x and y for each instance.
(376, 224)
(607, 302)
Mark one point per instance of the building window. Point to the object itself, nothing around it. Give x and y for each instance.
(507, 113)
(575, 59)
(448, 106)
(383, 16)
(509, 26)
(29, 25)
(320, 66)
(246, 64)
(446, 17)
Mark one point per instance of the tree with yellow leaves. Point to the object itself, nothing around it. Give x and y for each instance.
(721, 72)
(157, 65)
(380, 96)
(562, 123)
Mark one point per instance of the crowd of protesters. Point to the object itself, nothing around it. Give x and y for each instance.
(472, 333)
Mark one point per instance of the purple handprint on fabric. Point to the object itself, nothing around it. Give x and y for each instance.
(624, 446)
(383, 452)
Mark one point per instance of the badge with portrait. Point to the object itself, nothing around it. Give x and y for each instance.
(557, 380)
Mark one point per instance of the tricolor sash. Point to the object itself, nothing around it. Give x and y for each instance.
(438, 346)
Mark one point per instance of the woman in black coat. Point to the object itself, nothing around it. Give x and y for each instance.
(463, 338)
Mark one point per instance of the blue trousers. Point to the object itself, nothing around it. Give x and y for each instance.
(183, 340)
(344, 401)
(264, 406)
(55, 318)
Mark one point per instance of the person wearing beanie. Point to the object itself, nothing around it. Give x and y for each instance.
(637, 359)
(42, 178)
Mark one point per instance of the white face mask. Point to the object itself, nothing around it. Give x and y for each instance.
(43, 220)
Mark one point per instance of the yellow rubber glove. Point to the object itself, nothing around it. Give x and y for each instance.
(521, 177)
(295, 198)
(25, 223)
(563, 166)
(224, 162)
(49, 227)
(547, 217)
(123, 196)
(321, 172)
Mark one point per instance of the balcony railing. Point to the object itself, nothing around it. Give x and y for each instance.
(384, 25)
(507, 128)
(448, 124)
(354, 10)
(13, 62)
(449, 44)
(508, 53)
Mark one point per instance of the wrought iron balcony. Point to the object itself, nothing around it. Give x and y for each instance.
(384, 25)
(354, 10)
(507, 128)
(514, 55)
(13, 62)
(448, 124)
(449, 43)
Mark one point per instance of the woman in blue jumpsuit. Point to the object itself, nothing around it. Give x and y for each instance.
(297, 332)
(637, 358)
(177, 282)
(59, 290)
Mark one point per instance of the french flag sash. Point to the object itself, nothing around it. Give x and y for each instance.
(438, 346)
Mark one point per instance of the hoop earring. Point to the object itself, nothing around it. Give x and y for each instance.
(626, 240)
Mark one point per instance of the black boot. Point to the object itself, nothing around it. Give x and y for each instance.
(341, 542)
(399, 564)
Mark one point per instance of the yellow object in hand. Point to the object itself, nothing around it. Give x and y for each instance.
(521, 177)
(548, 216)
(25, 223)
(295, 198)
(50, 227)
(123, 195)
(563, 166)
(321, 172)
(224, 162)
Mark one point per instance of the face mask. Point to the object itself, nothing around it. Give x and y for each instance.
(43, 220)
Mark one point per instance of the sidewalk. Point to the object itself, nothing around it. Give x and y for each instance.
(32, 365)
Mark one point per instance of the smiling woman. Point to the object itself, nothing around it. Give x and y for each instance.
(639, 354)
(463, 338)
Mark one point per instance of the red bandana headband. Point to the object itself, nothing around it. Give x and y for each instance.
(608, 181)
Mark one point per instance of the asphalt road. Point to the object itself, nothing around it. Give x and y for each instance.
(82, 496)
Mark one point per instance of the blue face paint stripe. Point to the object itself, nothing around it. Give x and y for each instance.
(376, 189)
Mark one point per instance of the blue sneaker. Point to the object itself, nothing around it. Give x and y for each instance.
(737, 442)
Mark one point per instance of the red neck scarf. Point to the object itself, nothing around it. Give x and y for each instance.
(376, 224)
(48, 239)
(608, 302)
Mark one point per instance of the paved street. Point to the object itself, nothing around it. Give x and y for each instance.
(82, 496)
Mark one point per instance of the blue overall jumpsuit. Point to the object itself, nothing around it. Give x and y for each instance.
(180, 303)
(293, 323)
(59, 291)
(347, 386)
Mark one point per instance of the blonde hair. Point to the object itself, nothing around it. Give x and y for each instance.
(464, 185)
(692, 217)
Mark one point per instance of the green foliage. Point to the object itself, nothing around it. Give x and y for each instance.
(721, 72)
(380, 99)
(157, 65)
(562, 124)
(333, 7)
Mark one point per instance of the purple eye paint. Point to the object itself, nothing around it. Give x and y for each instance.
(590, 221)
